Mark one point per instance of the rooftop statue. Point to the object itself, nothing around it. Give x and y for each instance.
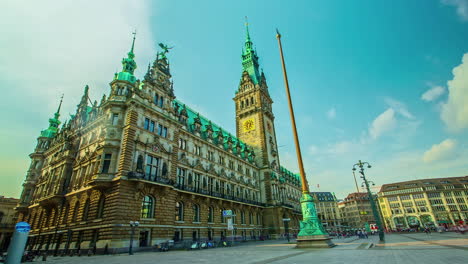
(165, 49)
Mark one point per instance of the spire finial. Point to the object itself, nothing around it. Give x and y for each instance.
(247, 28)
(57, 114)
(60, 104)
(133, 42)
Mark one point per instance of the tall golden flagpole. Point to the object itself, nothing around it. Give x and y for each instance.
(311, 234)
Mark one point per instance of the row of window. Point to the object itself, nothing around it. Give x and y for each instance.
(211, 157)
(198, 181)
(150, 125)
(36, 219)
(148, 211)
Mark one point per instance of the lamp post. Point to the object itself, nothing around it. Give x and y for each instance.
(361, 165)
(311, 234)
(133, 225)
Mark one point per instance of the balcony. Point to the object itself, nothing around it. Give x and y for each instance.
(169, 182)
(157, 179)
(216, 194)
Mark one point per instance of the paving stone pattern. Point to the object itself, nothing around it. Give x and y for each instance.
(398, 248)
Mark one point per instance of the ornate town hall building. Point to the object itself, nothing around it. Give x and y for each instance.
(141, 155)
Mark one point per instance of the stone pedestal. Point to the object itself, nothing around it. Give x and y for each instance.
(318, 241)
(311, 234)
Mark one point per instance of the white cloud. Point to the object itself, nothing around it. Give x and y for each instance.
(460, 5)
(313, 150)
(383, 123)
(342, 147)
(433, 93)
(455, 111)
(331, 114)
(440, 151)
(399, 107)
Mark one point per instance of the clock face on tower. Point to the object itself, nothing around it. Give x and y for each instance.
(248, 125)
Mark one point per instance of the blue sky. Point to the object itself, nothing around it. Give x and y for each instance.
(381, 81)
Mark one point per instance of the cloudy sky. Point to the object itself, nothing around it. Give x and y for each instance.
(381, 81)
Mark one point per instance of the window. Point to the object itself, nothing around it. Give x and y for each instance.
(75, 211)
(156, 99)
(210, 155)
(181, 176)
(210, 185)
(418, 196)
(106, 163)
(182, 143)
(433, 195)
(242, 217)
(100, 209)
(405, 197)
(210, 214)
(115, 119)
(147, 207)
(197, 150)
(197, 181)
(221, 160)
(392, 199)
(205, 183)
(179, 211)
(222, 187)
(251, 221)
(162, 130)
(196, 213)
(161, 101)
(149, 125)
(231, 164)
(221, 213)
(239, 168)
(152, 167)
(85, 210)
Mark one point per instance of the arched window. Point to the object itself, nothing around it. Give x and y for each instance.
(251, 221)
(75, 211)
(86, 210)
(210, 214)
(179, 211)
(100, 209)
(234, 216)
(65, 214)
(196, 213)
(242, 217)
(147, 207)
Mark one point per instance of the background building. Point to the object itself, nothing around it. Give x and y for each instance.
(427, 202)
(141, 155)
(327, 210)
(7, 220)
(356, 211)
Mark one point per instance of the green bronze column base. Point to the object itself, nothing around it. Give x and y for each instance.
(311, 234)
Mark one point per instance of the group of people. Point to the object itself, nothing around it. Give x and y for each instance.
(345, 234)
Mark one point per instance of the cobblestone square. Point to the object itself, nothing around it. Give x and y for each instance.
(398, 248)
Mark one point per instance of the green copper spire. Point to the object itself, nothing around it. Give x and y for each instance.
(250, 58)
(53, 123)
(128, 65)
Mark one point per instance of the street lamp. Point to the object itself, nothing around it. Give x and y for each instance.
(361, 165)
(133, 225)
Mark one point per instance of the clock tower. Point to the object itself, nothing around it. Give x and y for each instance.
(254, 115)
